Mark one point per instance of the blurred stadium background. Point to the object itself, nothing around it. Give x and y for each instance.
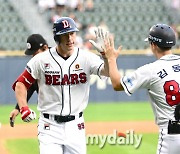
(128, 20)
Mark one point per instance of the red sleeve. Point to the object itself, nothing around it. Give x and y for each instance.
(26, 78)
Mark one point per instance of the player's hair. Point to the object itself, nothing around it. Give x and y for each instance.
(163, 49)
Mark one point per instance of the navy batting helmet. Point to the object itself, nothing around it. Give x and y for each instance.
(162, 35)
(63, 25)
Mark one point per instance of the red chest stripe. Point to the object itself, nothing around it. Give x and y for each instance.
(25, 78)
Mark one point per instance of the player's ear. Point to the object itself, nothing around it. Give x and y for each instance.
(44, 47)
(152, 44)
(57, 39)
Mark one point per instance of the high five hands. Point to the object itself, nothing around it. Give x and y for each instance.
(105, 44)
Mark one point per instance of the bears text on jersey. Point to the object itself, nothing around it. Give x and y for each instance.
(72, 79)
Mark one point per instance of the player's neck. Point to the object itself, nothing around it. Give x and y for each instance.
(63, 53)
(161, 54)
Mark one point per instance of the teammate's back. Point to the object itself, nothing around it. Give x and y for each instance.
(164, 88)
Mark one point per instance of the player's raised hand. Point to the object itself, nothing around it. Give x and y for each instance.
(109, 50)
(27, 114)
(99, 44)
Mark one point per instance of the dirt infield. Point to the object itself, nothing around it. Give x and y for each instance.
(30, 130)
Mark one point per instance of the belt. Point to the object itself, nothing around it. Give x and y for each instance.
(60, 119)
(173, 127)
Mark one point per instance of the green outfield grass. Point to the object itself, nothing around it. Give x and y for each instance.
(5, 112)
(129, 111)
(148, 146)
(125, 111)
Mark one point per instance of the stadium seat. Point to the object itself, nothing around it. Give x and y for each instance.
(128, 20)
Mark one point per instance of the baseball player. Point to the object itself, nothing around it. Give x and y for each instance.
(63, 76)
(35, 44)
(161, 79)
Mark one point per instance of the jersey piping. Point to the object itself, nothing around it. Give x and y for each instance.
(62, 88)
(169, 59)
(70, 85)
(98, 73)
(161, 141)
(124, 85)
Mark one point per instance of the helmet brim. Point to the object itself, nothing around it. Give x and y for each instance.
(67, 31)
(29, 52)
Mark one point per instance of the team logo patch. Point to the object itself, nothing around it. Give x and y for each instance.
(47, 65)
(129, 80)
(28, 45)
(176, 68)
(77, 66)
(28, 69)
(47, 126)
(65, 24)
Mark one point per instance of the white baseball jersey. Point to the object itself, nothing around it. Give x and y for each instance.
(64, 84)
(161, 78)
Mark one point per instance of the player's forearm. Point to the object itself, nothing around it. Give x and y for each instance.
(105, 70)
(29, 94)
(21, 94)
(114, 74)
